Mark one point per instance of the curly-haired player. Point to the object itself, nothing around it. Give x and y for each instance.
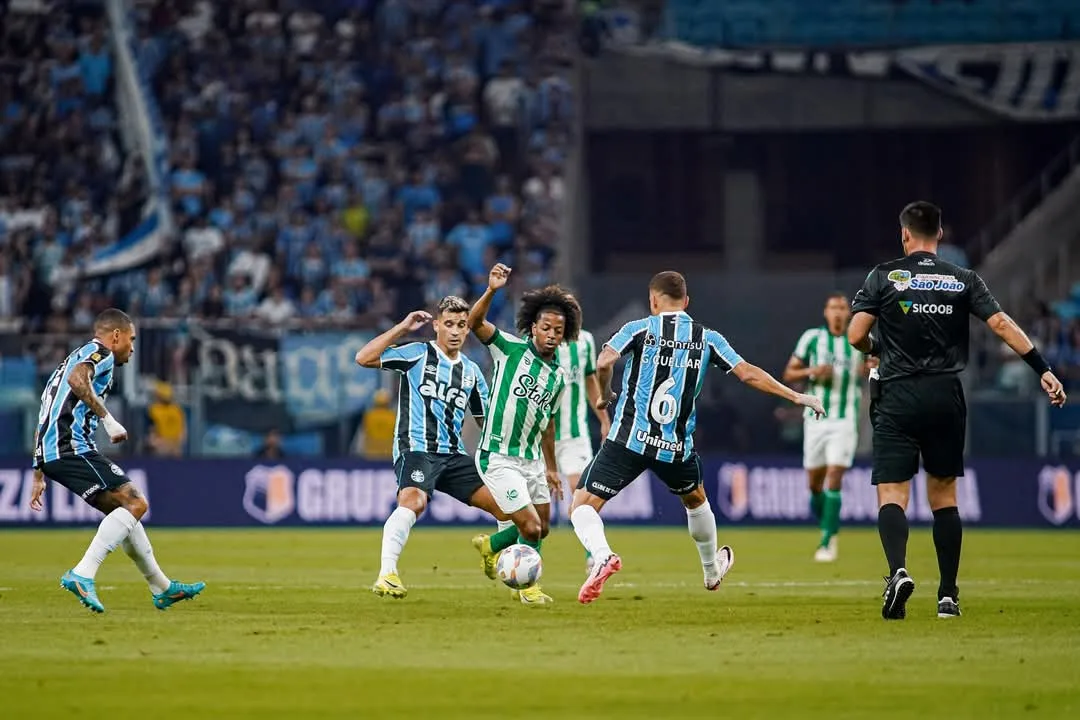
(516, 454)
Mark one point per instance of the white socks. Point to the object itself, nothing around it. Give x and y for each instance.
(590, 531)
(503, 524)
(138, 548)
(394, 536)
(111, 532)
(702, 525)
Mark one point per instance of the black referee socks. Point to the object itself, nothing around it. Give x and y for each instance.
(892, 525)
(948, 536)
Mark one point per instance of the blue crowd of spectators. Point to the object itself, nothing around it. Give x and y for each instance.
(338, 161)
(66, 187)
(346, 161)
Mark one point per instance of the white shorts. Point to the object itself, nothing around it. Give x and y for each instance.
(829, 443)
(573, 455)
(513, 482)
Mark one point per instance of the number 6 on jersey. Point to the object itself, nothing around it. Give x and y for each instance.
(663, 406)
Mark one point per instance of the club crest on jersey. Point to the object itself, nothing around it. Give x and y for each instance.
(441, 391)
(468, 381)
(417, 476)
(526, 388)
(116, 469)
(900, 279)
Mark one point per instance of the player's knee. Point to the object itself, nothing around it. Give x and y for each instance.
(531, 529)
(695, 498)
(545, 528)
(413, 499)
(137, 506)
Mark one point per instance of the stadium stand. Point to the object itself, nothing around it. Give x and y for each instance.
(337, 163)
(346, 166)
(867, 23)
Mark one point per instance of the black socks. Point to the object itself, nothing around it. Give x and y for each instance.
(893, 527)
(948, 536)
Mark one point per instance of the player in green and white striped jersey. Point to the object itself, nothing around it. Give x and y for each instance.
(833, 371)
(516, 452)
(573, 443)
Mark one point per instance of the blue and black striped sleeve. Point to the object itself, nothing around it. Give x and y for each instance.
(628, 337)
(401, 358)
(721, 354)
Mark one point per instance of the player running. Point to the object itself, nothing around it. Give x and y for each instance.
(833, 371)
(438, 385)
(516, 454)
(654, 425)
(64, 451)
(573, 444)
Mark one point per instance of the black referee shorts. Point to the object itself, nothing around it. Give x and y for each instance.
(918, 416)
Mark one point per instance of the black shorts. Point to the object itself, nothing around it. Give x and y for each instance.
(615, 467)
(915, 416)
(453, 474)
(85, 475)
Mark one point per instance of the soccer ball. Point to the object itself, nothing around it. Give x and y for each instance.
(519, 566)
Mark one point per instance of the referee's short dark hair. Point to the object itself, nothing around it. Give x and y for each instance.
(112, 319)
(669, 283)
(921, 218)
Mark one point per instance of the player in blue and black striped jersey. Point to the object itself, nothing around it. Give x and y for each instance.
(72, 404)
(653, 428)
(439, 386)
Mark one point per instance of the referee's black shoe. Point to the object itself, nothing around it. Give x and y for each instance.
(948, 608)
(898, 589)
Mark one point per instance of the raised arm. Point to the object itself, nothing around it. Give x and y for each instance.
(478, 321)
(370, 356)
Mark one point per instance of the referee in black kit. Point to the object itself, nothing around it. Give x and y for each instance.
(921, 305)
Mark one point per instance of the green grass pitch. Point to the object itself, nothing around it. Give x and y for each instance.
(288, 629)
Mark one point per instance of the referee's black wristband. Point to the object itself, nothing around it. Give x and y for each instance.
(875, 347)
(1036, 361)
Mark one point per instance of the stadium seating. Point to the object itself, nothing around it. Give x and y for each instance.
(324, 164)
(66, 189)
(868, 23)
(342, 173)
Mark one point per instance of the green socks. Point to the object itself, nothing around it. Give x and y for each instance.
(830, 516)
(504, 539)
(817, 502)
(530, 543)
(507, 537)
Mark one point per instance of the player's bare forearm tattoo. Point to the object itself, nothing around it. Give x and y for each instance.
(82, 387)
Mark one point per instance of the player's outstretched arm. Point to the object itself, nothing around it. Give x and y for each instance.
(762, 381)
(1013, 336)
(370, 356)
(478, 322)
(82, 386)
